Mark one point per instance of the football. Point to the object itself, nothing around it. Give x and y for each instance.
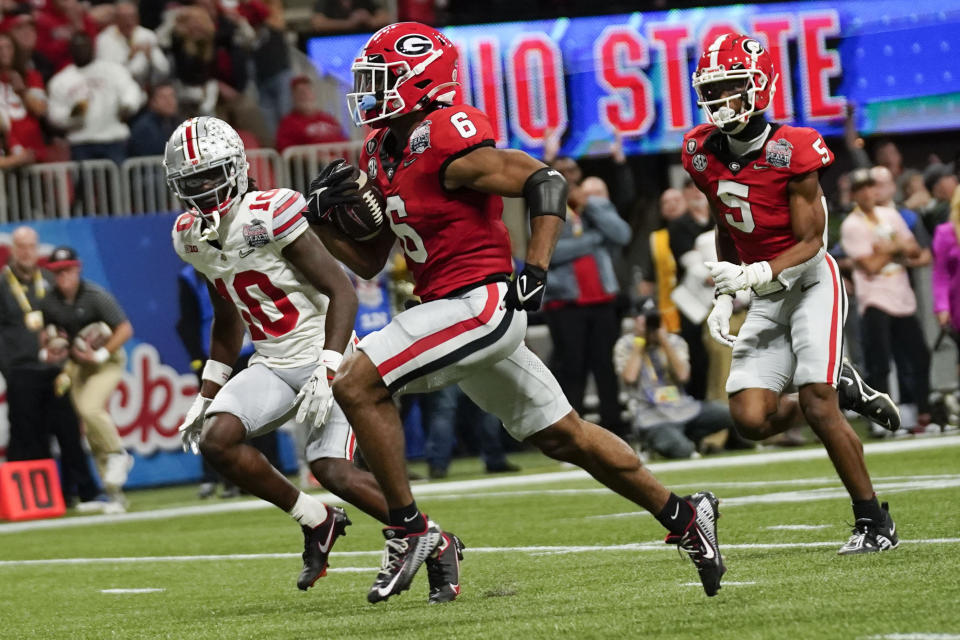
(55, 344)
(93, 336)
(363, 221)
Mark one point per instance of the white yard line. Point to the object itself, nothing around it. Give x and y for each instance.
(150, 590)
(915, 636)
(798, 527)
(447, 488)
(532, 550)
(812, 495)
(725, 584)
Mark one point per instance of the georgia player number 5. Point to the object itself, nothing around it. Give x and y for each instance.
(734, 195)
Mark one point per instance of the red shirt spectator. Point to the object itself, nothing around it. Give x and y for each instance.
(307, 124)
(22, 98)
(55, 24)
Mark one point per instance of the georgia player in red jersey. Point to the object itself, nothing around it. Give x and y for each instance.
(444, 180)
(762, 181)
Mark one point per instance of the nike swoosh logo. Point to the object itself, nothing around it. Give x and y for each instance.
(387, 590)
(325, 547)
(245, 252)
(893, 529)
(708, 548)
(809, 286)
(676, 512)
(760, 167)
(410, 519)
(523, 285)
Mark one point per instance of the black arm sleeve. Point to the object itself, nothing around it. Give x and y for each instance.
(624, 192)
(189, 323)
(546, 193)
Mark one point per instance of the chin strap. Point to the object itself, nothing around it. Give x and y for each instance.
(213, 222)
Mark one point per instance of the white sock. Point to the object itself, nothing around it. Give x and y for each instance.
(308, 511)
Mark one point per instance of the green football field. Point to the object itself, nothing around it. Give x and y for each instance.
(549, 554)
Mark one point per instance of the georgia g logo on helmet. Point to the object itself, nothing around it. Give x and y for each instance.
(414, 44)
(752, 47)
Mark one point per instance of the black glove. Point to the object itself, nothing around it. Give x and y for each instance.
(526, 291)
(333, 187)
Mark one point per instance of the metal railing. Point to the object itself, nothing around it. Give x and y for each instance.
(138, 186)
(305, 161)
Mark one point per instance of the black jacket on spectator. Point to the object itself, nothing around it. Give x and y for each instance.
(93, 304)
(149, 133)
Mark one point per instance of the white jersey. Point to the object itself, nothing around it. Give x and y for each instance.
(285, 314)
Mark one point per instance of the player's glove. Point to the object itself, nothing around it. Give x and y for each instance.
(719, 320)
(315, 398)
(193, 423)
(526, 291)
(334, 186)
(730, 278)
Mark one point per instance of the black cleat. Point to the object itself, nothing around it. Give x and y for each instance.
(699, 540)
(870, 536)
(402, 557)
(443, 569)
(854, 394)
(317, 543)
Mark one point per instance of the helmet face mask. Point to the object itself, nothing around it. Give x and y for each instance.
(207, 190)
(734, 81)
(403, 68)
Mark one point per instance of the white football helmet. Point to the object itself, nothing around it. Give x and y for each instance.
(206, 167)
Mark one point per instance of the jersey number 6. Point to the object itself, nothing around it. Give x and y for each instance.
(410, 240)
(734, 195)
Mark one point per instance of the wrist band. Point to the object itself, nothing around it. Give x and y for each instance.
(216, 372)
(331, 359)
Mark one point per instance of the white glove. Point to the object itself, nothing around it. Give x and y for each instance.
(730, 278)
(719, 319)
(193, 423)
(315, 398)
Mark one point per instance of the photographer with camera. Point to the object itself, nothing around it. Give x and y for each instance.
(653, 366)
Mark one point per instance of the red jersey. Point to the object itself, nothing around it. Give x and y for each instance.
(749, 193)
(450, 238)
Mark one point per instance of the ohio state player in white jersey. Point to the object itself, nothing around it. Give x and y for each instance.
(267, 272)
(762, 181)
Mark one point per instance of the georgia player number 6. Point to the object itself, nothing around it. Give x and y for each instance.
(410, 240)
(734, 194)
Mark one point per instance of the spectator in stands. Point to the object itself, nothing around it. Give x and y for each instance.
(150, 130)
(658, 268)
(35, 411)
(127, 43)
(22, 98)
(57, 23)
(23, 27)
(91, 100)
(683, 232)
(271, 58)
(449, 410)
(946, 274)
(94, 372)
(941, 181)
(348, 16)
(12, 153)
(886, 191)
(579, 302)
(653, 365)
(307, 124)
(188, 34)
(881, 246)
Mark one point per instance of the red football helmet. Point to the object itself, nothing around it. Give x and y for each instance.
(734, 66)
(402, 68)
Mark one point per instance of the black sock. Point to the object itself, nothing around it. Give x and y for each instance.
(869, 508)
(409, 518)
(676, 514)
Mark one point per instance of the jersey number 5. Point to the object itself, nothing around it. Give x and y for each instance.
(734, 195)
